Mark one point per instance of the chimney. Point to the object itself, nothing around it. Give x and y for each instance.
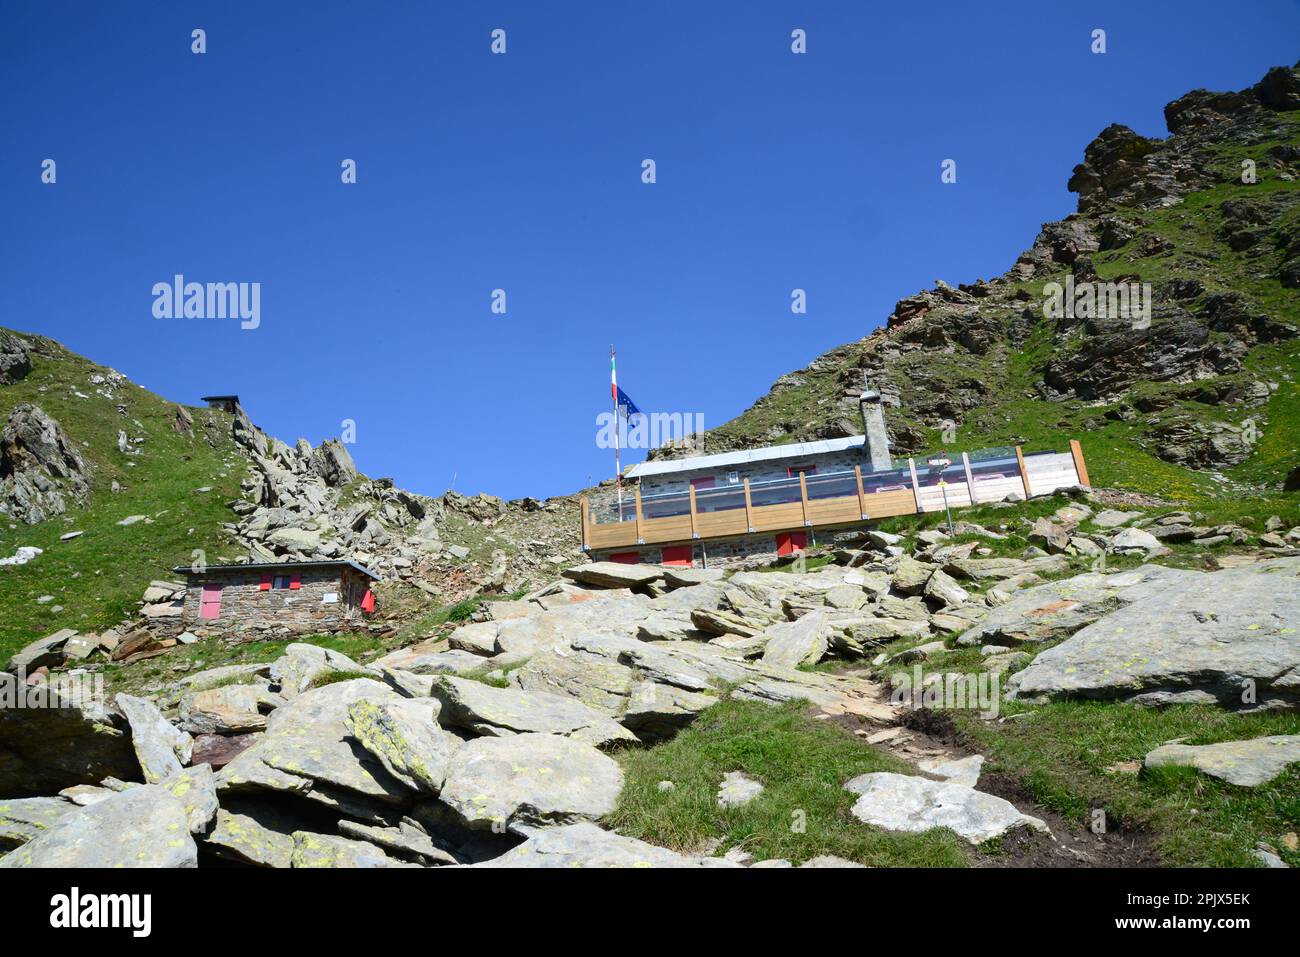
(873, 426)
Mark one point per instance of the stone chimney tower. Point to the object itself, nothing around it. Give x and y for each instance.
(873, 426)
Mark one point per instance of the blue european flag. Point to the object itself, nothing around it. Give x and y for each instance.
(626, 407)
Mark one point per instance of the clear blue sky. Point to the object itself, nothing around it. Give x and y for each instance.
(523, 172)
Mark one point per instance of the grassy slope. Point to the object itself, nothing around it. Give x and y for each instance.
(98, 578)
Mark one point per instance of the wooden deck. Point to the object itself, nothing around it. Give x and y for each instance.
(1032, 475)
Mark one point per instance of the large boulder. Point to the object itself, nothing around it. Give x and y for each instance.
(1060, 608)
(331, 461)
(502, 712)
(1228, 637)
(143, 826)
(530, 780)
(308, 750)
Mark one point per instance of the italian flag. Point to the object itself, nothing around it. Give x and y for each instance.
(613, 379)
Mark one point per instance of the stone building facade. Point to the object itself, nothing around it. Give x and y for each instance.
(279, 599)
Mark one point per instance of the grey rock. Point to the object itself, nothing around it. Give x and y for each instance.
(43, 652)
(910, 576)
(1247, 763)
(1196, 637)
(964, 771)
(501, 712)
(70, 742)
(1132, 540)
(196, 789)
(140, 827)
(24, 819)
(326, 850)
(586, 845)
(800, 642)
(530, 780)
(684, 577)
(160, 748)
(941, 588)
(902, 802)
(405, 738)
(1112, 518)
(737, 789)
(614, 574)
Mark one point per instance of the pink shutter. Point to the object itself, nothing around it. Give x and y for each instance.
(266, 583)
(295, 581)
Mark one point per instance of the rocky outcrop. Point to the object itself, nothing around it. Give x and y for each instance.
(15, 359)
(42, 473)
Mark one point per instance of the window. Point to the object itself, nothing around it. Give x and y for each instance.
(280, 581)
(794, 470)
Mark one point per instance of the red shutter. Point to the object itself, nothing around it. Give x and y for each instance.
(368, 602)
(295, 580)
(266, 583)
(626, 558)
(678, 555)
(787, 543)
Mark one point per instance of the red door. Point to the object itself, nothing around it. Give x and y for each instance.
(626, 558)
(678, 555)
(210, 602)
(787, 543)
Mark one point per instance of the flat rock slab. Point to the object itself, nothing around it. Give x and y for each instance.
(1113, 518)
(964, 771)
(586, 845)
(326, 850)
(685, 577)
(1060, 608)
(499, 712)
(614, 574)
(903, 802)
(530, 780)
(142, 826)
(1246, 763)
(24, 819)
(1197, 637)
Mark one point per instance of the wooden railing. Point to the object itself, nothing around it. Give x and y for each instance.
(636, 529)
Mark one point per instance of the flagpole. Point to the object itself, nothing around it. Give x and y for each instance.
(618, 469)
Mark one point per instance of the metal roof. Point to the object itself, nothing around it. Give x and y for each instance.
(723, 460)
(254, 566)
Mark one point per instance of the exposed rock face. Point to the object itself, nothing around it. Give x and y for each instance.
(41, 472)
(15, 361)
(1228, 637)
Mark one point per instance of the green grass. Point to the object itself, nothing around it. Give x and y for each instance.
(99, 577)
(1062, 751)
(803, 765)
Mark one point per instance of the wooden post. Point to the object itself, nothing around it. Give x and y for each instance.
(749, 508)
(636, 491)
(1024, 476)
(1081, 470)
(970, 479)
(803, 495)
(862, 498)
(586, 512)
(916, 494)
(694, 533)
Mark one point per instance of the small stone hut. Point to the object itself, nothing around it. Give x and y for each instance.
(272, 599)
